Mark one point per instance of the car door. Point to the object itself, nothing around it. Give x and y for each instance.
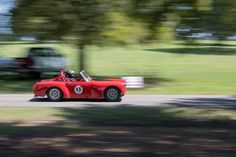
(79, 89)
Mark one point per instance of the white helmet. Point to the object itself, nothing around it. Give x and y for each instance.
(70, 74)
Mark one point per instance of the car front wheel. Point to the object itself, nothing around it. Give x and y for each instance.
(54, 94)
(112, 94)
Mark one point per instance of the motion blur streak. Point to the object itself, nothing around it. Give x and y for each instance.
(159, 46)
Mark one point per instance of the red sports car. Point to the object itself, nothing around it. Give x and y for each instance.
(69, 86)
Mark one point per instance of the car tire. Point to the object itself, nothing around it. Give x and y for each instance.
(54, 94)
(112, 94)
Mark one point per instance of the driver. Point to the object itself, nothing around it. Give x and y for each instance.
(70, 74)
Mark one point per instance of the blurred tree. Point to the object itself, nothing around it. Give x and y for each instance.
(86, 21)
(191, 16)
(79, 20)
(150, 12)
(209, 16)
(155, 13)
(124, 30)
(220, 19)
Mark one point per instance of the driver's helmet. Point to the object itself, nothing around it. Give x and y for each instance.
(70, 74)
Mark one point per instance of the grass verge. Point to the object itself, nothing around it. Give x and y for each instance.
(168, 68)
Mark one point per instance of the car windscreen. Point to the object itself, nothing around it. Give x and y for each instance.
(85, 75)
(42, 52)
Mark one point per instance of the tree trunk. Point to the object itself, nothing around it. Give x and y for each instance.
(81, 57)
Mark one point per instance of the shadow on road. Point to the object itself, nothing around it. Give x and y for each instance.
(128, 131)
(221, 103)
(67, 100)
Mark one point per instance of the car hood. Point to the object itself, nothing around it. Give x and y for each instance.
(47, 80)
(114, 79)
(111, 79)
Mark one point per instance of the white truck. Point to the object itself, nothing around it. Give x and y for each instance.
(39, 60)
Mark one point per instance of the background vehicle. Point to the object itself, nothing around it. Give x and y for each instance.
(41, 60)
(38, 60)
(8, 64)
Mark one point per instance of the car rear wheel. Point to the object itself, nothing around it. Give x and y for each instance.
(112, 94)
(54, 94)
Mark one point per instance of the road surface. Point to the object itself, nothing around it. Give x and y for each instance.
(27, 100)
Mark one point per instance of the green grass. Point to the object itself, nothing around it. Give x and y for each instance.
(172, 68)
(29, 114)
(113, 114)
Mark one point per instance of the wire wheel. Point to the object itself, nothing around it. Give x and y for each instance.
(112, 94)
(54, 94)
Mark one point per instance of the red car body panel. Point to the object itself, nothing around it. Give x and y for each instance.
(93, 89)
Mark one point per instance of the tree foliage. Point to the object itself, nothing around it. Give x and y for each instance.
(88, 21)
(155, 13)
(80, 20)
(196, 16)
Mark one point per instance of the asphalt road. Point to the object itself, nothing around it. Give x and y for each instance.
(27, 100)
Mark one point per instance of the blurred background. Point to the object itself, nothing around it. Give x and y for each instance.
(165, 46)
(178, 46)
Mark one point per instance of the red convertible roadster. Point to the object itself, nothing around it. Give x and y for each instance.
(69, 86)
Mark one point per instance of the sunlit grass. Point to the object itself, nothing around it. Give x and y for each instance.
(135, 114)
(183, 69)
(29, 114)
